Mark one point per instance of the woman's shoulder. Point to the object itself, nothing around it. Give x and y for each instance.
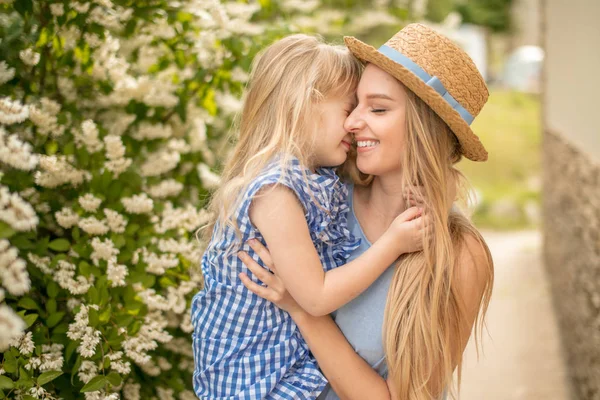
(475, 265)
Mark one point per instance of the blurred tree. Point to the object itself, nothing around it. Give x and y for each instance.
(492, 14)
(438, 10)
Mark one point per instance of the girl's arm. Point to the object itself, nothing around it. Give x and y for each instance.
(350, 376)
(280, 218)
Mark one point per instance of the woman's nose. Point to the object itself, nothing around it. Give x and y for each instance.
(354, 122)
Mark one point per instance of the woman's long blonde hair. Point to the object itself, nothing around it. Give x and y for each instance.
(423, 305)
(286, 83)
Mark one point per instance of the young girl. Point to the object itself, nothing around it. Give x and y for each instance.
(278, 188)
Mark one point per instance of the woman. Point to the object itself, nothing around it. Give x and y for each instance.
(416, 99)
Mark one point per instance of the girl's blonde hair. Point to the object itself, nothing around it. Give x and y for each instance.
(286, 83)
(423, 305)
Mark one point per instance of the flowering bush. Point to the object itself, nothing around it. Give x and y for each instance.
(109, 115)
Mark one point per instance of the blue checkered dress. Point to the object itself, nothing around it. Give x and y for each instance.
(245, 347)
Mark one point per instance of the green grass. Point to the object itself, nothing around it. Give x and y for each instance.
(509, 127)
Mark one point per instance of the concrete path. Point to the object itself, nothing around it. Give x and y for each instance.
(521, 357)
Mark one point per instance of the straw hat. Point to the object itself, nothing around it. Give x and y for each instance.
(439, 72)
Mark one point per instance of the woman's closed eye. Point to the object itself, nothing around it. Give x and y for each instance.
(378, 110)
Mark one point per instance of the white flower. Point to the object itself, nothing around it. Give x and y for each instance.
(131, 391)
(50, 106)
(115, 150)
(146, 130)
(228, 103)
(12, 112)
(116, 273)
(114, 147)
(158, 263)
(89, 202)
(186, 323)
(179, 145)
(188, 218)
(6, 73)
(45, 120)
(17, 212)
(116, 222)
(13, 270)
(150, 334)
(197, 134)
(138, 204)
(166, 188)
(43, 263)
(87, 371)
(57, 171)
(209, 178)
(107, 20)
(89, 341)
(65, 277)
(165, 393)
(117, 363)
(29, 57)
(26, 345)
(81, 8)
(16, 153)
(66, 217)
(116, 122)
(187, 394)
(159, 163)
(11, 327)
(103, 250)
(238, 74)
(92, 39)
(118, 166)
(93, 226)
(88, 137)
(51, 358)
(66, 86)
(57, 9)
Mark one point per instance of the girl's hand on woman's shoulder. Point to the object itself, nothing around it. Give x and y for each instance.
(274, 291)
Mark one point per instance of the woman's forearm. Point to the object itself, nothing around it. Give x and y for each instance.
(350, 376)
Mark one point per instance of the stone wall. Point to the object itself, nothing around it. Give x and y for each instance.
(571, 208)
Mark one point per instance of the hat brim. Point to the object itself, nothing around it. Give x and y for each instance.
(471, 146)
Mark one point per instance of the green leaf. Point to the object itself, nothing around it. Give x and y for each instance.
(114, 378)
(54, 319)
(6, 382)
(53, 289)
(119, 241)
(48, 377)
(75, 233)
(51, 306)
(60, 245)
(24, 6)
(10, 362)
(30, 319)
(93, 295)
(6, 231)
(132, 228)
(93, 318)
(105, 315)
(96, 383)
(27, 303)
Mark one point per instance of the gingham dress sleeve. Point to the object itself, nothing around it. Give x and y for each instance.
(246, 347)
